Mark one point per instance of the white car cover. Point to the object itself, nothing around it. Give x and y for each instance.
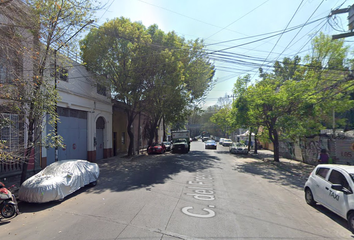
(58, 180)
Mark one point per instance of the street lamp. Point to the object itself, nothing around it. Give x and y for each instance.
(55, 85)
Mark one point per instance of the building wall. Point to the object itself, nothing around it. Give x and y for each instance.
(80, 92)
(119, 128)
(16, 56)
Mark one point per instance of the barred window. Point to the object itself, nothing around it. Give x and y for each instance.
(11, 132)
(62, 73)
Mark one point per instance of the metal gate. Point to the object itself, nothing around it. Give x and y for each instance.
(73, 128)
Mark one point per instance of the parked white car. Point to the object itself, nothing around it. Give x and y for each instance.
(227, 142)
(238, 148)
(332, 186)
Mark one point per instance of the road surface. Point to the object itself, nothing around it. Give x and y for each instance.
(205, 194)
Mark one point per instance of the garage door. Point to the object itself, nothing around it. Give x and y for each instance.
(73, 128)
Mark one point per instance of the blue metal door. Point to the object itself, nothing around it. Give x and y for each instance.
(73, 128)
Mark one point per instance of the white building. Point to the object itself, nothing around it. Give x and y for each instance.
(85, 113)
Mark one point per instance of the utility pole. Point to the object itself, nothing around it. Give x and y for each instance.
(349, 10)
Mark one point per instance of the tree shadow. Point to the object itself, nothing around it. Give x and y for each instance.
(26, 207)
(125, 174)
(285, 173)
(122, 174)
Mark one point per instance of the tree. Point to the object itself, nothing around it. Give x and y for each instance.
(222, 119)
(50, 23)
(150, 71)
(118, 50)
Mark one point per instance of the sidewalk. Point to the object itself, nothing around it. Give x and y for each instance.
(292, 166)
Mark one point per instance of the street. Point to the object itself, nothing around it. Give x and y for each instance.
(205, 194)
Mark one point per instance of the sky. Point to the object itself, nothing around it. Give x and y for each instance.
(240, 35)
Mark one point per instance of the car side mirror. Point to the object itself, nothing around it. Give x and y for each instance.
(339, 187)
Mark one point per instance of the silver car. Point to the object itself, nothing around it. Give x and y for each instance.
(238, 148)
(58, 180)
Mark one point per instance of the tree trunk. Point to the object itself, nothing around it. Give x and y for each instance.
(255, 143)
(249, 140)
(130, 116)
(276, 145)
(25, 165)
(164, 129)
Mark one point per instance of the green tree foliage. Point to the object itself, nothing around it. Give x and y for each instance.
(297, 100)
(41, 26)
(222, 120)
(151, 71)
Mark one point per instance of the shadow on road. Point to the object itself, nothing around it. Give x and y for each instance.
(286, 173)
(122, 174)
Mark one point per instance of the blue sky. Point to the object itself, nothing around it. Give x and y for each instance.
(229, 27)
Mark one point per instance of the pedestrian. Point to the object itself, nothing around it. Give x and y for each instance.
(323, 157)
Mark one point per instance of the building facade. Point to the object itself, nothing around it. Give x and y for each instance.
(85, 117)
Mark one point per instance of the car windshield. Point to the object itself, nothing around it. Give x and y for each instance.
(155, 144)
(227, 140)
(210, 141)
(352, 176)
(180, 141)
(166, 143)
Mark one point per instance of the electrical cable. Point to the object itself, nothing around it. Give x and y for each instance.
(285, 30)
(237, 19)
(299, 30)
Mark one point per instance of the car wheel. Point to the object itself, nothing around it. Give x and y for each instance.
(309, 197)
(94, 183)
(351, 222)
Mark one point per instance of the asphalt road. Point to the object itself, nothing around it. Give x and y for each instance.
(205, 194)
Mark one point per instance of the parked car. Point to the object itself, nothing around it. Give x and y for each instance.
(332, 186)
(238, 148)
(227, 142)
(167, 145)
(180, 145)
(156, 148)
(58, 180)
(221, 141)
(210, 144)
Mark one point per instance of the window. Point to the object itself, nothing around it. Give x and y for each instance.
(62, 73)
(9, 70)
(101, 89)
(338, 178)
(10, 58)
(322, 172)
(11, 132)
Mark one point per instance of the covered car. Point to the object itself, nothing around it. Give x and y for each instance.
(210, 144)
(238, 148)
(156, 148)
(58, 180)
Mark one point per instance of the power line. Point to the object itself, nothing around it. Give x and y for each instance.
(300, 30)
(285, 30)
(237, 19)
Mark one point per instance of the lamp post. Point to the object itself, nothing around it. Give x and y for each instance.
(55, 86)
